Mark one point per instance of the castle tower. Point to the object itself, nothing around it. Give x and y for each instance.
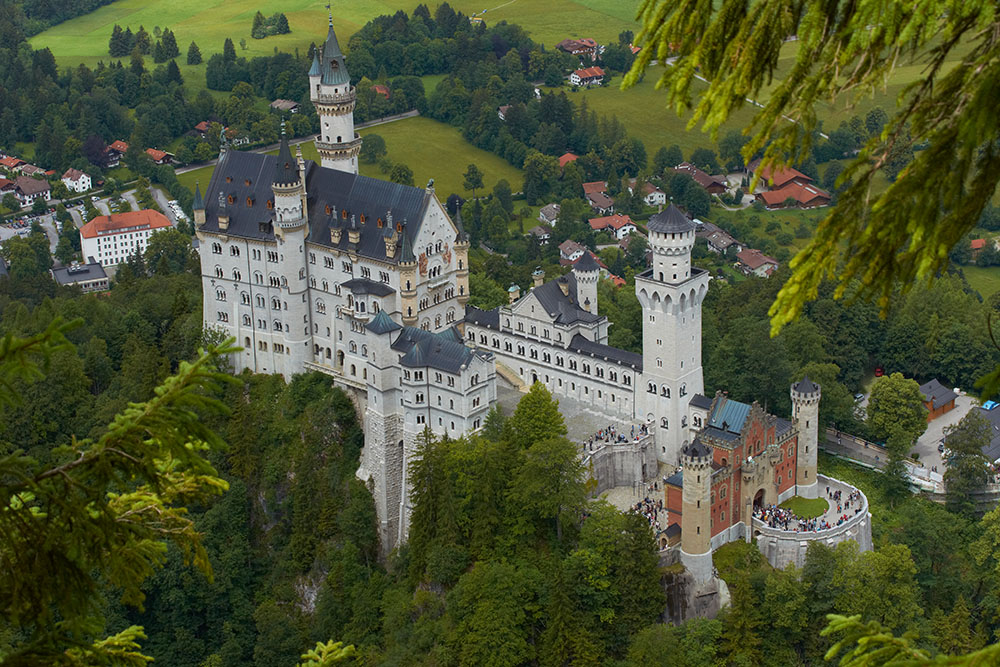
(587, 271)
(408, 279)
(670, 292)
(383, 457)
(334, 97)
(805, 413)
(291, 228)
(198, 206)
(696, 531)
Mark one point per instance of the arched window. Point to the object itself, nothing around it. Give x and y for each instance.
(354, 347)
(320, 306)
(663, 422)
(218, 272)
(651, 388)
(665, 391)
(237, 275)
(220, 295)
(246, 320)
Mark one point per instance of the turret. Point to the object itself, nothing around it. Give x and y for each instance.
(671, 239)
(462, 261)
(696, 528)
(198, 206)
(334, 98)
(289, 189)
(538, 276)
(587, 271)
(407, 278)
(390, 236)
(805, 413)
(513, 294)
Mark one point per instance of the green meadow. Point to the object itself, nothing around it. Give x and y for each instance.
(431, 149)
(985, 280)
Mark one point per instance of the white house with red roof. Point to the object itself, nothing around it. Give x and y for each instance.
(571, 250)
(618, 224)
(158, 156)
(652, 195)
(112, 239)
(76, 180)
(590, 76)
(28, 189)
(785, 186)
(584, 48)
(752, 261)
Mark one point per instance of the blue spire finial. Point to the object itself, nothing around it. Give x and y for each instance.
(330, 12)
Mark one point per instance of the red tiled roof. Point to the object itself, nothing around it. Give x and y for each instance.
(600, 200)
(779, 176)
(978, 244)
(700, 177)
(110, 224)
(11, 162)
(594, 186)
(616, 222)
(589, 73)
(565, 158)
(754, 259)
(119, 146)
(5, 183)
(157, 155)
(202, 126)
(802, 193)
(617, 280)
(73, 174)
(381, 90)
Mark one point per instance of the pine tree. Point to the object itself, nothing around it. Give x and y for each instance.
(128, 42)
(174, 73)
(158, 53)
(116, 45)
(143, 42)
(259, 29)
(281, 24)
(194, 55)
(229, 51)
(170, 49)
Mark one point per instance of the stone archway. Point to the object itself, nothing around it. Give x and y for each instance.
(758, 500)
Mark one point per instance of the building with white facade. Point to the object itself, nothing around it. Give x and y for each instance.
(76, 180)
(112, 239)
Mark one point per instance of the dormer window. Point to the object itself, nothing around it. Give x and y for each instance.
(399, 227)
(362, 218)
(229, 179)
(328, 209)
(270, 204)
(343, 214)
(247, 182)
(249, 202)
(231, 199)
(379, 223)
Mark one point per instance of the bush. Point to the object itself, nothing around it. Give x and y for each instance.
(773, 227)
(784, 238)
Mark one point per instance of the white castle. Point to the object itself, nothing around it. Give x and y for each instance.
(314, 267)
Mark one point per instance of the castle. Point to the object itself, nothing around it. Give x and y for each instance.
(315, 267)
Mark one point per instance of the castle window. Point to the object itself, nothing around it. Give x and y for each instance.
(218, 272)
(665, 391)
(246, 320)
(247, 182)
(231, 199)
(229, 179)
(379, 223)
(343, 214)
(270, 204)
(327, 210)
(245, 298)
(363, 218)
(651, 388)
(249, 202)
(664, 423)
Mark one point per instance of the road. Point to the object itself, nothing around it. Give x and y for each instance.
(927, 444)
(303, 140)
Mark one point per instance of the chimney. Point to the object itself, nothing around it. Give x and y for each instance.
(539, 276)
(223, 213)
(354, 232)
(513, 294)
(563, 286)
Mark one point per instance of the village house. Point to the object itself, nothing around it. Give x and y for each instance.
(542, 234)
(112, 239)
(158, 156)
(712, 184)
(12, 164)
(601, 203)
(977, 245)
(590, 76)
(583, 48)
(754, 262)
(570, 250)
(32, 170)
(785, 187)
(549, 213)
(652, 195)
(202, 128)
(28, 189)
(285, 105)
(89, 277)
(721, 242)
(938, 399)
(595, 186)
(502, 111)
(618, 224)
(566, 158)
(113, 154)
(76, 180)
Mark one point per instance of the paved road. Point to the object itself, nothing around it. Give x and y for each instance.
(927, 444)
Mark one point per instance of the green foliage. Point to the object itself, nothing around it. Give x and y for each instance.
(967, 470)
(896, 405)
(536, 418)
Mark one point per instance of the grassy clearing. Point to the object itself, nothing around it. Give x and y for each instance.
(986, 281)
(788, 219)
(431, 149)
(806, 508)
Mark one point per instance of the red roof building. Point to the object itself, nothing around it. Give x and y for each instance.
(202, 127)
(381, 90)
(587, 77)
(11, 163)
(805, 195)
(619, 225)
(119, 146)
(594, 187)
(566, 158)
(112, 239)
(755, 262)
(159, 157)
(977, 244)
(713, 185)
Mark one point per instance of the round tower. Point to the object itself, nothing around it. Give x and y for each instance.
(696, 529)
(587, 271)
(334, 97)
(407, 278)
(805, 413)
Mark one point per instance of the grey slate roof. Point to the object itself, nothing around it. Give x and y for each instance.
(563, 307)
(198, 202)
(342, 192)
(286, 170)
(937, 393)
(366, 286)
(425, 349)
(315, 70)
(381, 324)
(697, 449)
(333, 67)
(677, 479)
(586, 263)
(805, 386)
(587, 346)
(701, 401)
(782, 426)
(669, 221)
(484, 318)
(992, 450)
(66, 275)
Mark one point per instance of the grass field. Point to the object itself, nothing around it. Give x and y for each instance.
(209, 22)
(986, 281)
(789, 219)
(806, 508)
(431, 149)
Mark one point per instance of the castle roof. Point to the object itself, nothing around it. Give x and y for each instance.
(366, 286)
(670, 221)
(562, 307)
(333, 68)
(381, 324)
(728, 415)
(586, 263)
(442, 351)
(697, 449)
(285, 168)
(315, 69)
(331, 195)
(586, 346)
(806, 386)
(198, 202)
(701, 401)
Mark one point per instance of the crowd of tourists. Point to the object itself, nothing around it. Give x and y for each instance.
(651, 510)
(612, 435)
(786, 519)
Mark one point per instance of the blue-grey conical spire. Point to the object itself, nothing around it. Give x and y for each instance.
(315, 69)
(333, 67)
(198, 204)
(406, 250)
(286, 170)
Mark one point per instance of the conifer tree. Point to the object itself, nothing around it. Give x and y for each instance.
(169, 42)
(259, 29)
(281, 24)
(142, 41)
(229, 51)
(174, 73)
(117, 45)
(193, 55)
(128, 41)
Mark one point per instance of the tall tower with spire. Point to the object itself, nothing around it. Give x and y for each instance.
(334, 97)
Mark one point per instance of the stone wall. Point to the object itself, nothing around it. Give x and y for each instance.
(622, 464)
(782, 547)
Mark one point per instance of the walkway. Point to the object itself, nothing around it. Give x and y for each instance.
(838, 507)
